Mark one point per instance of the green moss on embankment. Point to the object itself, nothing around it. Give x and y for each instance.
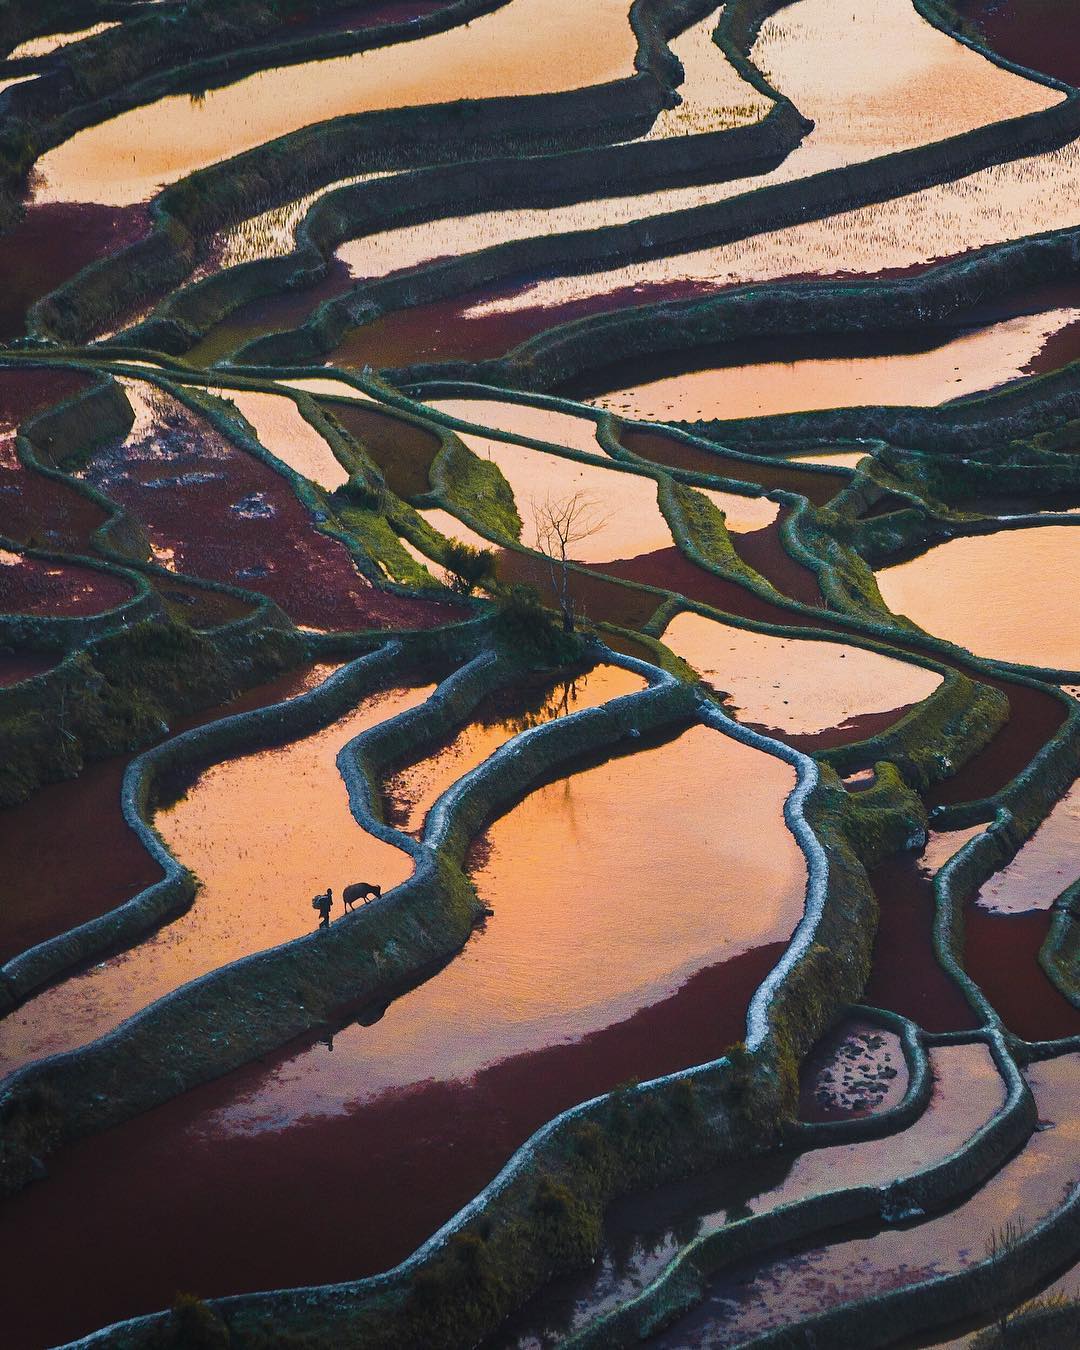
(1060, 955)
(477, 487)
(937, 737)
(694, 520)
(121, 693)
(67, 435)
(372, 531)
(855, 832)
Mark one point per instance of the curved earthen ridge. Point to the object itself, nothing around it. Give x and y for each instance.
(210, 500)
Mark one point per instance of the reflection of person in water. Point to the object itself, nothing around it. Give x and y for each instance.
(324, 904)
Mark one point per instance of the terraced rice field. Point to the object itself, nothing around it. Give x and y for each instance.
(539, 738)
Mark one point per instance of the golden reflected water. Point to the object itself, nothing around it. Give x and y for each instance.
(622, 859)
(798, 686)
(52, 42)
(523, 47)
(413, 790)
(620, 517)
(873, 75)
(282, 429)
(977, 361)
(1010, 596)
(263, 833)
(523, 419)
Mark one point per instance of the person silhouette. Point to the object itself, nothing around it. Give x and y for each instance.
(324, 904)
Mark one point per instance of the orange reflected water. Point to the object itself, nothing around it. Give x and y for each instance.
(873, 75)
(753, 1297)
(523, 47)
(522, 419)
(452, 528)
(977, 361)
(795, 685)
(1010, 595)
(619, 515)
(412, 791)
(742, 514)
(611, 888)
(263, 833)
(282, 429)
(714, 98)
(52, 42)
(875, 78)
(328, 384)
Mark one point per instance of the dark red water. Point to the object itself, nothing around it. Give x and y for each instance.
(148, 1193)
(52, 242)
(1040, 34)
(221, 514)
(906, 977)
(1001, 954)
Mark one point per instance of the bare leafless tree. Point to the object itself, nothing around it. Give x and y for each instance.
(558, 524)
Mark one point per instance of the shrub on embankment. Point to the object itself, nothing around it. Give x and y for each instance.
(121, 692)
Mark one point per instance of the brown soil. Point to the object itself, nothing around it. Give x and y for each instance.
(226, 516)
(22, 667)
(34, 587)
(819, 488)
(402, 451)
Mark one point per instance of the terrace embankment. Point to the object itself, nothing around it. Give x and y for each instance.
(254, 831)
(282, 429)
(740, 381)
(55, 888)
(518, 1027)
(212, 510)
(809, 693)
(749, 1298)
(645, 1232)
(1007, 923)
(411, 790)
(127, 158)
(622, 518)
(851, 125)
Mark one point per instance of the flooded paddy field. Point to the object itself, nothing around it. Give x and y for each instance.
(483, 1043)
(745, 1302)
(56, 889)
(1026, 571)
(709, 802)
